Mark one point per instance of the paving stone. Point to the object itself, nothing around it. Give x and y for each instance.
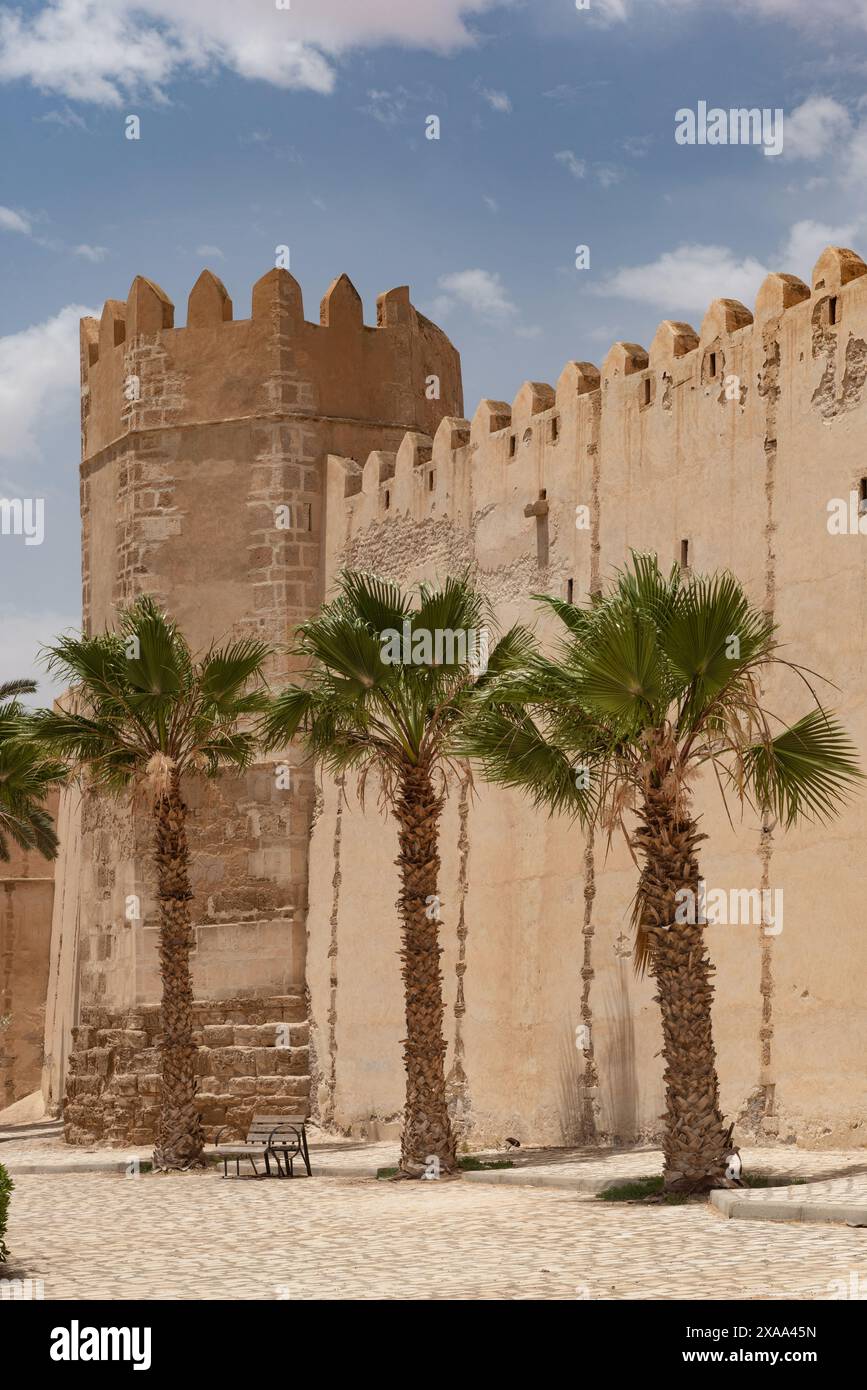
(105, 1235)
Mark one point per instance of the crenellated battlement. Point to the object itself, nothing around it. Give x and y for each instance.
(687, 402)
(139, 371)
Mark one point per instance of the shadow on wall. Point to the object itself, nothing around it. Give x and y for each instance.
(571, 1101)
(618, 1082)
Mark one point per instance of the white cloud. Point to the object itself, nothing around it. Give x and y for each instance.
(389, 108)
(107, 50)
(577, 167)
(498, 101)
(564, 92)
(490, 203)
(66, 117)
(91, 253)
(13, 222)
(637, 145)
(23, 634)
(39, 371)
(212, 251)
(608, 174)
(815, 128)
(481, 291)
(826, 15)
(856, 158)
(688, 278)
(807, 240)
(609, 11)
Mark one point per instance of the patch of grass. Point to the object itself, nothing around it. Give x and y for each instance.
(468, 1164)
(632, 1191)
(6, 1186)
(642, 1188)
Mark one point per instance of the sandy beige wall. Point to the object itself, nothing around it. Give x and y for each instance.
(26, 893)
(745, 432)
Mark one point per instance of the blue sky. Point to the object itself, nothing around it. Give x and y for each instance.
(306, 126)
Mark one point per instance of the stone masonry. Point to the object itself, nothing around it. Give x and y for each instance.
(253, 1056)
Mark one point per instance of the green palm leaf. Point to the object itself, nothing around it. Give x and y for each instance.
(807, 771)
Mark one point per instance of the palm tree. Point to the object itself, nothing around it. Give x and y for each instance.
(145, 712)
(386, 690)
(27, 774)
(654, 681)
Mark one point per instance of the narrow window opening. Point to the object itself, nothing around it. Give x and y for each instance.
(387, 499)
(832, 309)
(862, 495)
(712, 365)
(513, 441)
(430, 481)
(570, 590)
(555, 428)
(684, 555)
(647, 385)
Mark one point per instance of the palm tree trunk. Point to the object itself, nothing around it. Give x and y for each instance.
(695, 1144)
(427, 1131)
(180, 1137)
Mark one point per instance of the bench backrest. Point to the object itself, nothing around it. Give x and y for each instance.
(279, 1128)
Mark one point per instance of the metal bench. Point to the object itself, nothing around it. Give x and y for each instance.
(269, 1136)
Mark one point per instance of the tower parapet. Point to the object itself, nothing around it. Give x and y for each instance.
(141, 372)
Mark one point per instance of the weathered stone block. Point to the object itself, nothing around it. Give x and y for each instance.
(282, 1061)
(218, 1035)
(243, 1085)
(148, 1060)
(233, 1061)
(99, 1060)
(82, 1086)
(254, 1035)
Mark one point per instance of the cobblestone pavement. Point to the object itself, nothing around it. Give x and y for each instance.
(198, 1236)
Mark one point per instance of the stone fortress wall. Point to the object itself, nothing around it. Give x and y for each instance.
(716, 449)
